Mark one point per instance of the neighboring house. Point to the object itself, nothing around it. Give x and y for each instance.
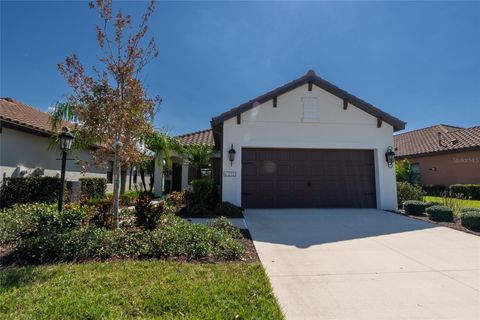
(305, 144)
(26, 150)
(442, 154)
(182, 173)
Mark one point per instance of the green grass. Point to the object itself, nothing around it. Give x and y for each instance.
(153, 289)
(464, 203)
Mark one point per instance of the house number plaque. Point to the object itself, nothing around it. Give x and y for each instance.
(229, 173)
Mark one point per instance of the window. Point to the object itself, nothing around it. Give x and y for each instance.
(311, 112)
(415, 172)
(110, 172)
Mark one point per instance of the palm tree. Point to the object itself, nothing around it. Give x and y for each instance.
(163, 145)
(199, 155)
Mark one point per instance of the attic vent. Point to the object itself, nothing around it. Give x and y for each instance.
(8, 99)
(311, 111)
(455, 141)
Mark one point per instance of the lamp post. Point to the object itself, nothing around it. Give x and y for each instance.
(66, 139)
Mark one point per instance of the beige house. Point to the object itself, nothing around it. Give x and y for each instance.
(442, 154)
(26, 148)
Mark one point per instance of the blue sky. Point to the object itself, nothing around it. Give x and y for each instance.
(418, 61)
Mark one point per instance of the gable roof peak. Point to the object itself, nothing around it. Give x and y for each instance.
(312, 78)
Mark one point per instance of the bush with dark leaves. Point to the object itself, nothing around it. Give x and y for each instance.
(440, 213)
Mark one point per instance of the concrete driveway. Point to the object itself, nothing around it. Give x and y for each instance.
(366, 264)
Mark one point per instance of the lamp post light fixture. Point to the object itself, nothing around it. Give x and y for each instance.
(66, 139)
(231, 155)
(390, 157)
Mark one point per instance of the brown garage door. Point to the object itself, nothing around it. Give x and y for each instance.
(308, 178)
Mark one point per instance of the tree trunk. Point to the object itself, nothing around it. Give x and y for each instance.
(123, 172)
(142, 177)
(152, 175)
(116, 186)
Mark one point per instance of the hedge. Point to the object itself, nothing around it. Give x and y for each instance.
(434, 190)
(414, 207)
(29, 190)
(471, 220)
(440, 213)
(93, 187)
(469, 191)
(467, 209)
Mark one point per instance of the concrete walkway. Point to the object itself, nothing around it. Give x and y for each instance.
(366, 264)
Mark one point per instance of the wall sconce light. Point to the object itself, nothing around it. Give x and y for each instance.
(231, 155)
(390, 157)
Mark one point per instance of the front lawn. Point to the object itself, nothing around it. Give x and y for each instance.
(463, 203)
(143, 289)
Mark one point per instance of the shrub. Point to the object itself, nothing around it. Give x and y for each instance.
(414, 207)
(199, 210)
(19, 221)
(463, 210)
(23, 220)
(29, 190)
(403, 171)
(100, 212)
(407, 191)
(440, 213)
(175, 238)
(228, 209)
(129, 198)
(454, 202)
(87, 242)
(435, 190)
(203, 192)
(147, 214)
(93, 187)
(226, 226)
(432, 203)
(469, 191)
(177, 198)
(471, 220)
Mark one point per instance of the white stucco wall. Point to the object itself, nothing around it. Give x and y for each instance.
(19, 148)
(282, 127)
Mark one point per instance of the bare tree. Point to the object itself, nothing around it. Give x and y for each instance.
(111, 106)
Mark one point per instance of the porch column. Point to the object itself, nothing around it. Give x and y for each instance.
(158, 178)
(184, 175)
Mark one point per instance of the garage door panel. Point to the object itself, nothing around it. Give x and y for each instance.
(308, 178)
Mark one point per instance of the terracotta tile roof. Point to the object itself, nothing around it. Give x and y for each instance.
(436, 139)
(198, 137)
(26, 116)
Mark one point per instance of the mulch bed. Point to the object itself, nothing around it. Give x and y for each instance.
(456, 224)
(250, 254)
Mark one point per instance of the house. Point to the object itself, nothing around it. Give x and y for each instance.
(182, 173)
(442, 154)
(307, 143)
(26, 148)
